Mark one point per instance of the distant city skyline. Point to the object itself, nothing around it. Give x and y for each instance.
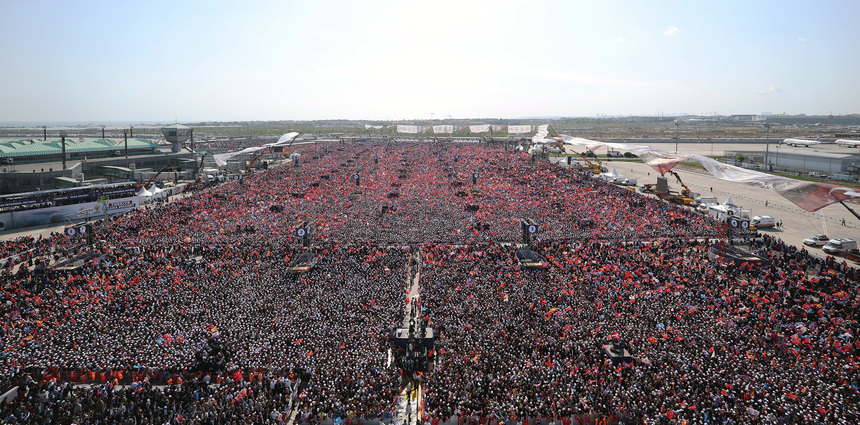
(199, 61)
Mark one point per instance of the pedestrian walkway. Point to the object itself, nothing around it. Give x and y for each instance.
(411, 403)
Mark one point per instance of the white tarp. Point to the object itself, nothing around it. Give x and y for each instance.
(445, 128)
(519, 129)
(496, 127)
(807, 195)
(221, 158)
(284, 139)
(408, 129)
(483, 128)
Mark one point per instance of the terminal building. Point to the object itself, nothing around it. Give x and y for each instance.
(28, 165)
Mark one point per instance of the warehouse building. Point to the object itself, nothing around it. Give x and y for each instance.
(792, 159)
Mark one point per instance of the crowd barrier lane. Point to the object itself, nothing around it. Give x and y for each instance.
(17, 257)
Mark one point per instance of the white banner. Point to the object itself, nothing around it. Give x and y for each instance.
(58, 214)
(807, 195)
(519, 129)
(409, 129)
(483, 128)
(440, 129)
(496, 127)
(368, 127)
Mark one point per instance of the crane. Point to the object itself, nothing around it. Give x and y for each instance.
(595, 168)
(147, 185)
(686, 192)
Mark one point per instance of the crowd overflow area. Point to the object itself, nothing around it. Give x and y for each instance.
(440, 283)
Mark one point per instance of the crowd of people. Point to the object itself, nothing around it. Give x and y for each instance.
(189, 313)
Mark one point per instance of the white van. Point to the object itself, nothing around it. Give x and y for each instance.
(762, 221)
(838, 246)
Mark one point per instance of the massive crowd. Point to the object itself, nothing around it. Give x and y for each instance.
(189, 314)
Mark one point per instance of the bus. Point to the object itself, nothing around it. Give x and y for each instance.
(65, 205)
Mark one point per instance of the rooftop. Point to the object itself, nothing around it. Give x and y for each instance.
(34, 147)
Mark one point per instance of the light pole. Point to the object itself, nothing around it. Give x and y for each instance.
(131, 131)
(125, 136)
(63, 138)
(767, 145)
(677, 124)
(103, 132)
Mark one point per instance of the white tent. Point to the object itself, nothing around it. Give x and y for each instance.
(158, 193)
(144, 195)
(612, 176)
(729, 201)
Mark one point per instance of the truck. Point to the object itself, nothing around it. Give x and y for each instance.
(852, 254)
(839, 246)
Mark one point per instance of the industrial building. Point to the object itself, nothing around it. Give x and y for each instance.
(796, 160)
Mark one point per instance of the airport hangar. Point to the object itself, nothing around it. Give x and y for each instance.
(30, 164)
(800, 160)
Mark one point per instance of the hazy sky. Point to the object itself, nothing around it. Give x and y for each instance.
(390, 60)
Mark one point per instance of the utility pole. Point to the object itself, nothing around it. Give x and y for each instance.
(677, 124)
(103, 132)
(131, 131)
(125, 136)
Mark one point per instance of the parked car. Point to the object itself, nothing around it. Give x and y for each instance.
(817, 240)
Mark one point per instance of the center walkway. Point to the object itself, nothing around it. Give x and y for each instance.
(411, 403)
